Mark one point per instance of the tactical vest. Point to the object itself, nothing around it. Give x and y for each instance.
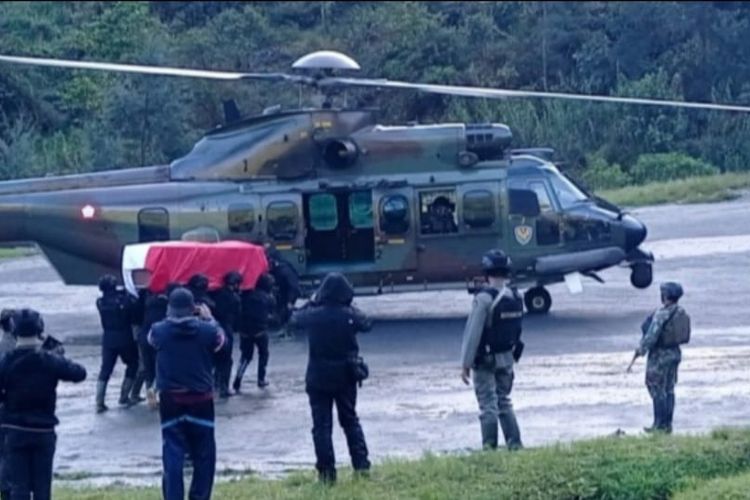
(114, 311)
(503, 329)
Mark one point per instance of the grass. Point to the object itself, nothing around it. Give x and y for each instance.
(725, 488)
(15, 252)
(606, 468)
(707, 189)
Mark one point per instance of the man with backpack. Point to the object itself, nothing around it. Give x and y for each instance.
(663, 333)
(491, 345)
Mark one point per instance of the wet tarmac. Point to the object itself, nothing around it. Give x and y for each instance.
(571, 383)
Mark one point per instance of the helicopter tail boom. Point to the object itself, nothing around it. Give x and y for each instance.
(124, 177)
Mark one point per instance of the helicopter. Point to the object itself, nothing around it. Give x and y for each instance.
(395, 208)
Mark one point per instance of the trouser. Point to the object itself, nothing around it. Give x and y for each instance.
(29, 463)
(4, 483)
(660, 381)
(492, 388)
(248, 343)
(223, 360)
(187, 428)
(128, 354)
(147, 366)
(321, 405)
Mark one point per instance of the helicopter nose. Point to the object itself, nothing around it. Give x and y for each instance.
(635, 232)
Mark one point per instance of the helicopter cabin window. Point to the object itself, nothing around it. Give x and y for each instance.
(241, 218)
(282, 220)
(394, 214)
(479, 209)
(545, 205)
(567, 193)
(153, 225)
(360, 209)
(437, 212)
(324, 215)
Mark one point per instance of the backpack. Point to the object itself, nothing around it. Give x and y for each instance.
(676, 329)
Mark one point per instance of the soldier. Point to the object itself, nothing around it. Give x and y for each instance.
(441, 217)
(227, 301)
(287, 284)
(186, 344)
(116, 311)
(491, 344)
(332, 372)
(664, 331)
(28, 388)
(258, 308)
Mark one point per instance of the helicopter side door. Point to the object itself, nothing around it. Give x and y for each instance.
(533, 221)
(281, 222)
(457, 225)
(339, 227)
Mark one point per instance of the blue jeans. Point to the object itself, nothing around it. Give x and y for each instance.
(187, 427)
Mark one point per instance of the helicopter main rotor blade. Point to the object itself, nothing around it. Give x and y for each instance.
(153, 70)
(504, 93)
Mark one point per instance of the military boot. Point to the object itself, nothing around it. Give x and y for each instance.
(127, 386)
(489, 435)
(668, 414)
(659, 405)
(510, 430)
(240, 373)
(101, 392)
(135, 393)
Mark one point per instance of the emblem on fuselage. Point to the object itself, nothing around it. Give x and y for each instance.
(524, 234)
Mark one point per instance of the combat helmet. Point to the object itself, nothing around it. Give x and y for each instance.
(671, 291)
(107, 283)
(496, 263)
(29, 323)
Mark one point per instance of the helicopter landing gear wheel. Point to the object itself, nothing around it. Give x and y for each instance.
(642, 275)
(537, 300)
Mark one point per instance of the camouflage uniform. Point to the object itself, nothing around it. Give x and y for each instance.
(661, 368)
(493, 378)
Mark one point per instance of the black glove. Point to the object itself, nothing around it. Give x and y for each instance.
(518, 351)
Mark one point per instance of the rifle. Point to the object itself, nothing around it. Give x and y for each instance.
(632, 362)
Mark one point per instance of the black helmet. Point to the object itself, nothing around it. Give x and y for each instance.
(198, 283)
(496, 263)
(671, 291)
(29, 323)
(233, 278)
(107, 283)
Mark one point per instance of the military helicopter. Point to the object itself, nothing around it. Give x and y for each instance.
(396, 208)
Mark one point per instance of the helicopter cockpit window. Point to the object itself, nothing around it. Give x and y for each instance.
(567, 193)
(282, 220)
(241, 218)
(479, 209)
(153, 225)
(437, 212)
(545, 205)
(523, 202)
(394, 214)
(324, 215)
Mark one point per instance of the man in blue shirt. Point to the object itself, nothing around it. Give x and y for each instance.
(186, 344)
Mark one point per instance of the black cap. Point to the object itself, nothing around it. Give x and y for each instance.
(181, 303)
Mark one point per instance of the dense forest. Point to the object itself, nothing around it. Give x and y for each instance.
(55, 121)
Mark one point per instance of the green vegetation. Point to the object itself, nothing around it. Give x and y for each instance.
(63, 121)
(607, 468)
(693, 190)
(12, 253)
(725, 488)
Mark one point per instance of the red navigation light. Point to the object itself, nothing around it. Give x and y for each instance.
(88, 212)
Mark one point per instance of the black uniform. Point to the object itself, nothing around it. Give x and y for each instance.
(227, 314)
(28, 386)
(154, 310)
(118, 314)
(287, 285)
(332, 324)
(258, 308)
